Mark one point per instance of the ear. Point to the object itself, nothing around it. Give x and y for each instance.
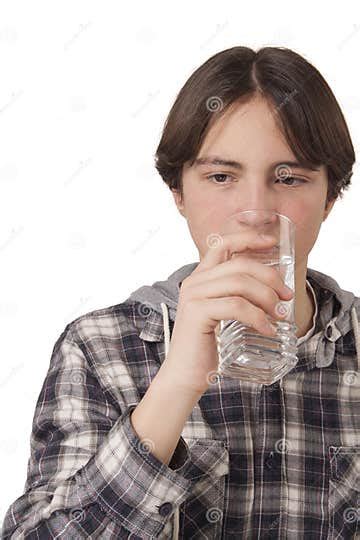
(328, 208)
(178, 201)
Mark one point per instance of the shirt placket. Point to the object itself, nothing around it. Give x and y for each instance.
(269, 450)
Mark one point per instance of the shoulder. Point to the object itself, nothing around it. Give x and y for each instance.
(110, 322)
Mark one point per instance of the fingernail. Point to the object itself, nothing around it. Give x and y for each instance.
(288, 290)
(266, 237)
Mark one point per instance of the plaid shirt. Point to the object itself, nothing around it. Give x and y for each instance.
(253, 461)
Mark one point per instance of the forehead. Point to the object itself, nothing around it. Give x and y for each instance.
(249, 122)
(244, 134)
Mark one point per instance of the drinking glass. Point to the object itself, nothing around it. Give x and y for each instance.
(243, 352)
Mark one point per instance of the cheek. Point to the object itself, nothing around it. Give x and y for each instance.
(204, 231)
(307, 230)
(205, 217)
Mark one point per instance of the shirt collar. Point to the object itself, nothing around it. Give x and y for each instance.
(153, 329)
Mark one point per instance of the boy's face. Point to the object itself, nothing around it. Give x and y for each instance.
(249, 134)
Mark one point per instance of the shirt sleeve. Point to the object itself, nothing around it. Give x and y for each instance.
(88, 473)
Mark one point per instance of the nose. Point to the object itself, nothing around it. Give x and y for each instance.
(255, 196)
(257, 216)
(254, 193)
(260, 218)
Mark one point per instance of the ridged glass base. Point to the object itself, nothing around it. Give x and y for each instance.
(247, 355)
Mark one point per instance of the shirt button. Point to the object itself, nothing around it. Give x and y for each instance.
(165, 509)
(269, 461)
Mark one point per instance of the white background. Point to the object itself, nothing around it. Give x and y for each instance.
(85, 218)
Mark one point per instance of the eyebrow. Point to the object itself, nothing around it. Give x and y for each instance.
(216, 160)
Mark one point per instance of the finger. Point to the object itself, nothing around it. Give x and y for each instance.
(248, 287)
(221, 247)
(234, 308)
(238, 267)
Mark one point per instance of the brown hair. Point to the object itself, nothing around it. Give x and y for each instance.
(307, 111)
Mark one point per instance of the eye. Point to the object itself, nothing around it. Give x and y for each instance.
(287, 179)
(218, 174)
(292, 178)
